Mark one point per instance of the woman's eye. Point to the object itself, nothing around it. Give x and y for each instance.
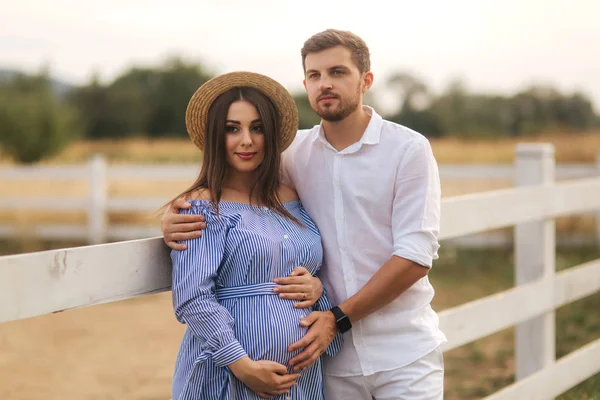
(257, 128)
(231, 128)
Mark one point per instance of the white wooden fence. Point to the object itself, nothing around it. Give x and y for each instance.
(45, 282)
(97, 204)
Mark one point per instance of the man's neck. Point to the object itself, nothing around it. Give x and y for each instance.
(344, 133)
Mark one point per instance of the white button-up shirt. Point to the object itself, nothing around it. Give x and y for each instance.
(377, 198)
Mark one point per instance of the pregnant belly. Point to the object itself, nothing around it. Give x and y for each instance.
(266, 326)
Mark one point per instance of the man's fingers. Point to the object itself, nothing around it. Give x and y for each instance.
(174, 222)
(308, 362)
(191, 226)
(309, 319)
(305, 341)
(182, 236)
(186, 218)
(180, 203)
(177, 246)
(307, 354)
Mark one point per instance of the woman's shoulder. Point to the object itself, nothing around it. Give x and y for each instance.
(286, 194)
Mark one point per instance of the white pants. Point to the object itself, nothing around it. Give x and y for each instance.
(421, 380)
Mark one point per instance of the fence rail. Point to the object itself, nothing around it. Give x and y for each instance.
(45, 282)
(97, 204)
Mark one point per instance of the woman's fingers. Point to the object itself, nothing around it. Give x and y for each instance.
(291, 289)
(303, 304)
(298, 271)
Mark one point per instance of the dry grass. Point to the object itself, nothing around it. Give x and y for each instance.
(130, 151)
(574, 147)
(117, 351)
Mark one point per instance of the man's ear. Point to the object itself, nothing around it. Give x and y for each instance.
(367, 81)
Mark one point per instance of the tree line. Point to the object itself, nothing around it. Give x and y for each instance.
(36, 120)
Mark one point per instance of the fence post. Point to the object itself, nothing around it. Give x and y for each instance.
(534, 260)
(598, 211)
(97, 218)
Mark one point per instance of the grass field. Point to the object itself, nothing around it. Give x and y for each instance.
(486, 365)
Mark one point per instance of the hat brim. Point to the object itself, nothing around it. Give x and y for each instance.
(197, 110)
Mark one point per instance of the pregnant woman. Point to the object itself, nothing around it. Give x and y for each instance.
(239, 329)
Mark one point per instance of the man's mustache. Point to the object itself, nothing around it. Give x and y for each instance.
(327, 94)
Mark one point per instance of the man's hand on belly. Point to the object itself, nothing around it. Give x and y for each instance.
(320, 334)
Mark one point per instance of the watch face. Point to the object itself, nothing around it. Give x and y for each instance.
(343, 324)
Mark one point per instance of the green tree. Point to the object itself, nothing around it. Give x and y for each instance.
(414, 99)
(34, 123)
(141, 101)
(175, 84)
(308, 118)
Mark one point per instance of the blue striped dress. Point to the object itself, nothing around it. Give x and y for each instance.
(223, 290)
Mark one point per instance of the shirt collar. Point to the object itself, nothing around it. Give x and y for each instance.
(372, 132)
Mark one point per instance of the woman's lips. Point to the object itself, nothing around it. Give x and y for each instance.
(245, 156)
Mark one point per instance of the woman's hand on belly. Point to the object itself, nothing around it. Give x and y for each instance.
(265, 378)
(301, 286)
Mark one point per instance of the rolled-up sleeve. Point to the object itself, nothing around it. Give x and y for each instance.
(194, 300)
(416, 207)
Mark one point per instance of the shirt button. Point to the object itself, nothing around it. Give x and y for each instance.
(285, 236)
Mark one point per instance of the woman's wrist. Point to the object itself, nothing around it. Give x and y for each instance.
(241, 367)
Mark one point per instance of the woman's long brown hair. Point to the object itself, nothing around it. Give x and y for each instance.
(214, 162)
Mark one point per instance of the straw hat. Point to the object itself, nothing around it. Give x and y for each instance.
(197, 109)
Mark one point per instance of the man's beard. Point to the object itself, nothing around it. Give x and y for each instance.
(340, 113)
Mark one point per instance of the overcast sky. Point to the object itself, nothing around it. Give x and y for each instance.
(499, 45)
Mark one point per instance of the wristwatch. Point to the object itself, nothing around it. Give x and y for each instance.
(342, 322)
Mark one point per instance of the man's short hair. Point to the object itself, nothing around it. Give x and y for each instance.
(332, 38)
